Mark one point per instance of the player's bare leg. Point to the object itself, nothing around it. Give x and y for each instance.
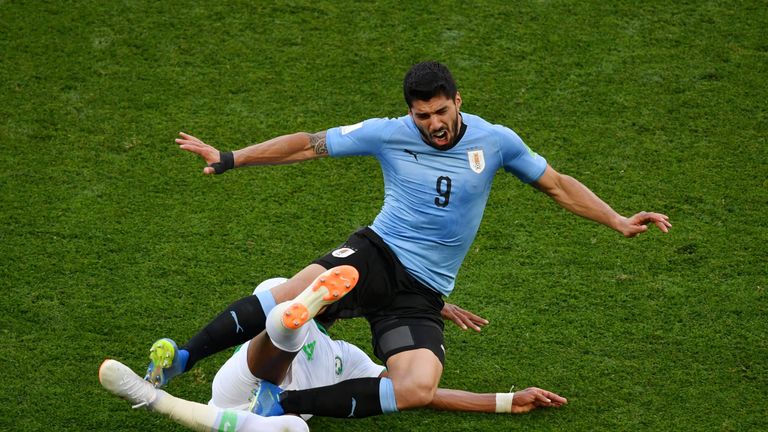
(415, 376)
(268, 362)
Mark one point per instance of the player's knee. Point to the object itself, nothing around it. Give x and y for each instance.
(289, 289)
(414, 393)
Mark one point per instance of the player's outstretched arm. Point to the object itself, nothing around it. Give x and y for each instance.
(516, 403)
(284, 149)
(578, 199)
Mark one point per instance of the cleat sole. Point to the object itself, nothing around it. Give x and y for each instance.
(330, 286)
(161, 355)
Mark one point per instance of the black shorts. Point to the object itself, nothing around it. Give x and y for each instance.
(387, 296)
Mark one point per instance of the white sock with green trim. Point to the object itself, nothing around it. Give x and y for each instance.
(206, 418)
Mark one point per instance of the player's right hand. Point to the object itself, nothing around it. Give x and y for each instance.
(533, 397)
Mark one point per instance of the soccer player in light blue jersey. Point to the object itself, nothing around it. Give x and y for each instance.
(438, 165)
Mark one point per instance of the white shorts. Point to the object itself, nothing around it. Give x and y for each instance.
(322, 361)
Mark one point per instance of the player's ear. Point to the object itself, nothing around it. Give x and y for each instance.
(457, 100)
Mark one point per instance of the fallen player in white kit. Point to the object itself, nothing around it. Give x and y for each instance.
(296, 359)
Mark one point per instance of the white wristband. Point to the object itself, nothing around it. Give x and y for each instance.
(504, 402)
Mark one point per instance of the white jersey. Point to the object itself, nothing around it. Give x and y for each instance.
(322, 361)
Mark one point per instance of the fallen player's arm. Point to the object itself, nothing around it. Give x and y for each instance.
(516, 403)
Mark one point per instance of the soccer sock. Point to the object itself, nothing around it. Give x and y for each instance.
(240, 322)
(286, 339)
(234, 383)
(356, 398)
(206, 418)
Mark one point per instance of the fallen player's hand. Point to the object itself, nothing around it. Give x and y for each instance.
(533, 397)
(462, 318)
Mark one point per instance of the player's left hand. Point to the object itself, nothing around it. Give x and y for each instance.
(638, 223)
(462, 318)
(534, 397)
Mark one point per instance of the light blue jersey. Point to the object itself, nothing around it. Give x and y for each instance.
(434, 199)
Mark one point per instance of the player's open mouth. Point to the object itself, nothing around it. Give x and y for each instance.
(440, 137)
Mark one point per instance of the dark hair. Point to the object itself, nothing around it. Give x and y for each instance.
(427, 80)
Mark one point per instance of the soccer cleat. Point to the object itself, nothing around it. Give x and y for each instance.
(164, 362)
(327, 288)
(265, 400)
(122, 381)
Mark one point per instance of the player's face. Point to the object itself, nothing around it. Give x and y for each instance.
(438, 119)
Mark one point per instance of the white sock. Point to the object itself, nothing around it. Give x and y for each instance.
(234, 382)
(205, 418)
(285, 423)
(286, 339)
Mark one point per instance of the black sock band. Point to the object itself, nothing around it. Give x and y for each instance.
(355, 398)
(240, 322)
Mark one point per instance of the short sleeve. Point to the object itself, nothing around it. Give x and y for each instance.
(518, 158)
(360, 139)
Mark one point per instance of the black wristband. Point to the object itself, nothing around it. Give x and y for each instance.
(226, 162)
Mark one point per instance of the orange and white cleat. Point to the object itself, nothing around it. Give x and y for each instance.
(329, 287)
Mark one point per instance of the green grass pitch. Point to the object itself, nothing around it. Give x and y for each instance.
(111, 236)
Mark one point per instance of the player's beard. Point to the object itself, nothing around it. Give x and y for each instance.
(452, 131)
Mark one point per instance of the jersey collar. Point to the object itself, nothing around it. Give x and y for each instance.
(462, 130)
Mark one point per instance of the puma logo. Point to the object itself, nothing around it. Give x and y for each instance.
(412, 153)
(238, 329)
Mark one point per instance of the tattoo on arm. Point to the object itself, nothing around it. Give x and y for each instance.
(317, 142)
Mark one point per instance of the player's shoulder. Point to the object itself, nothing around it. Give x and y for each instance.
(481, 124)
(376, 122)
(378, 128)
(394, 125)
(494, 132)
(475, 120)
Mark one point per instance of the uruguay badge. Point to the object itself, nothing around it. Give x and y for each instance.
(343, 252)
(476, 160)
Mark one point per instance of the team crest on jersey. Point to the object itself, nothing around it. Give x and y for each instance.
(476, 160)
(343, 252)
(338, 365)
